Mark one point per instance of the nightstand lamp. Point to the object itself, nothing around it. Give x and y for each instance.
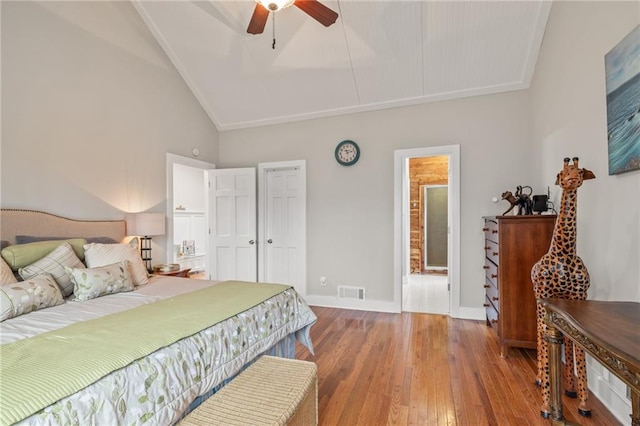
(144, 226)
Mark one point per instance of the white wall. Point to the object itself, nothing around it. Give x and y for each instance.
(188, 188)
(90, 107)
(568, 99)
(350, 209)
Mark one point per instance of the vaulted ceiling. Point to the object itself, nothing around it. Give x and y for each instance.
(379, 54)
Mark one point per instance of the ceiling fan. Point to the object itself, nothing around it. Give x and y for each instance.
(313, 8)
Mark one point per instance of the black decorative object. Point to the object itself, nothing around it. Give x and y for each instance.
(520, 199)
(540, 203)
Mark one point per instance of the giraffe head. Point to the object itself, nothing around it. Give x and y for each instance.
(571, 176)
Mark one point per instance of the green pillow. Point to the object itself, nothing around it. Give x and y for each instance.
(21, 255)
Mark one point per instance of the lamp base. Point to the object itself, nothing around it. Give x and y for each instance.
(145, 252)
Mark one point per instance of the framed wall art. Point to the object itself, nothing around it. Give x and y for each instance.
(622, 68)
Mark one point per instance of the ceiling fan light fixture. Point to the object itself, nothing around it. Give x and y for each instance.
(275, 5)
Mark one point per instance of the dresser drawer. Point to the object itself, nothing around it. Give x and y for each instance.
(512, 245)
(491, 272)
(491, 292)
(491, 230)
(492, 316)
(491, 250)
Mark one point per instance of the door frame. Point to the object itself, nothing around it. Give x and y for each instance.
(191, 162)
(262, 206)
(400, 223)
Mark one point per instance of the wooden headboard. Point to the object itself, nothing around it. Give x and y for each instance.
(40, 224)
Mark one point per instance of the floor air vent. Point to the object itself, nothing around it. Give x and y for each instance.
(346, 292)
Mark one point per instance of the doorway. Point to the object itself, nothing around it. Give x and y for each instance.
(427, 287)
(427, 229)
(187, 214)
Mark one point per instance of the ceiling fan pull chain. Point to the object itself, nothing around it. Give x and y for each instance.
(273, 46)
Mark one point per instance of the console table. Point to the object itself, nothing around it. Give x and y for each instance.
(608, 331)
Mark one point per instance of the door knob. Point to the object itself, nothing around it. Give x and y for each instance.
(251, 242)
(269, 240)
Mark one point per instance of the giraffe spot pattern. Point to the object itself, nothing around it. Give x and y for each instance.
(561, 274)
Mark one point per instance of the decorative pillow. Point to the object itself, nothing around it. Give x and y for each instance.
(54, 264)
(6, 275)
(89, 283)
(21, 255)
(107, 254)
(26, 296)
(25, 239)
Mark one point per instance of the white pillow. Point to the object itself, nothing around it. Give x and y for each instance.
(26, 296)
(96, 255)
(54, 264)
(6, 274)
(89, 283)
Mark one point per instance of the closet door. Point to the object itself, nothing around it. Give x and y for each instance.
(232, 224)
(282, 223)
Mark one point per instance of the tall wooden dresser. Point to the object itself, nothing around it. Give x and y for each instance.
(513, 244)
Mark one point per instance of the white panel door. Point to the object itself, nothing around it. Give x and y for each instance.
(283, 252)
(232, 224)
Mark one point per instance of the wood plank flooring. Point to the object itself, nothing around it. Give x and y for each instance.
(417, 369)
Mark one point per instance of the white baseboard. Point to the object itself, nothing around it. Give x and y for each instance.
(471, 313)
(359, 305)
(383, 306)
(609, 390)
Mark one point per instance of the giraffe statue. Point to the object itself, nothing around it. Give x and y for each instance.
(561, 274)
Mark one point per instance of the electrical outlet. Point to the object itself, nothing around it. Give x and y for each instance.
(323, 281)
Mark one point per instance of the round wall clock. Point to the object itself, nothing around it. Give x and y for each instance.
(347, 153)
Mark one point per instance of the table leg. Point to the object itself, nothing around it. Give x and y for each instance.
(554, 340)
(635, 408)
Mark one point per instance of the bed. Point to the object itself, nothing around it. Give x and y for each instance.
(145, 356)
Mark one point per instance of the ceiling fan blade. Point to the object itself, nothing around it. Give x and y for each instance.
(317, 11)
(258, 20)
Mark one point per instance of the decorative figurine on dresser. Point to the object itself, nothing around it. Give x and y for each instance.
(561, 274)
(521, 200)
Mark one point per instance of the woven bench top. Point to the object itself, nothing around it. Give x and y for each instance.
(271, 391)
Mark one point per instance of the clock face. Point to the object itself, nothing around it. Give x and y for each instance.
(347, 153)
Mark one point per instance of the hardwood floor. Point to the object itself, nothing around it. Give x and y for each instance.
(377, 368)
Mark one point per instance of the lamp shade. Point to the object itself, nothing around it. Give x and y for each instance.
(147, 224)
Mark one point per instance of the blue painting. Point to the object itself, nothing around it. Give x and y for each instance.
(622, 67)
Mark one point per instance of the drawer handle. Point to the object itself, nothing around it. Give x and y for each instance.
(493, 321)
(495, 253)
(494, 231)
(487, 247)
(486, 305)
(494, 298)
(494, 275)
(485, 267)
(486, 286)
(485, 229)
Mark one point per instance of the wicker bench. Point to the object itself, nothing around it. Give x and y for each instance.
(272, 391)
